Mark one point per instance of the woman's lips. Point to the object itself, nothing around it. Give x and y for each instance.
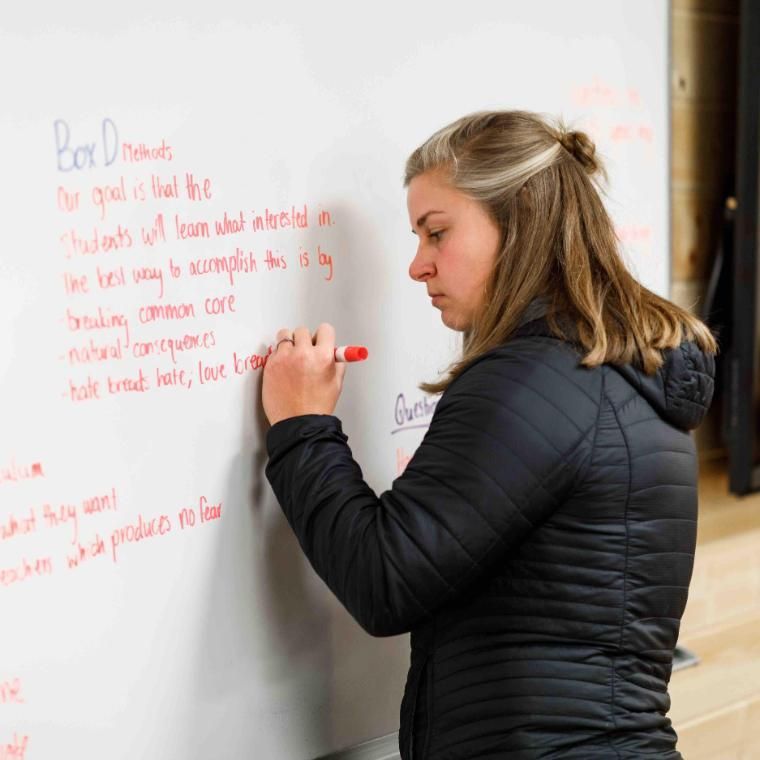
(436, 299)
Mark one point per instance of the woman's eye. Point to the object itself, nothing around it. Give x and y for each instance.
(435, 235)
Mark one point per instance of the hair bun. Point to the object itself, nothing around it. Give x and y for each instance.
(581, 147)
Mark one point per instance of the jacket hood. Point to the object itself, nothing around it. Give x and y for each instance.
(682, 388)
(680, 391)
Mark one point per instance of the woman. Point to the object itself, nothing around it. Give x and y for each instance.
(539, 545)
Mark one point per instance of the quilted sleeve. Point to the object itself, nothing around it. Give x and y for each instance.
(507, 440)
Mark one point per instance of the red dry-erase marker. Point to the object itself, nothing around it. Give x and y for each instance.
(350, 353)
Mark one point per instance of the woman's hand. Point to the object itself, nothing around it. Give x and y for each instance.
(301, 375)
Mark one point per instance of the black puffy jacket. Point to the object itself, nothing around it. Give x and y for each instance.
(538, 546)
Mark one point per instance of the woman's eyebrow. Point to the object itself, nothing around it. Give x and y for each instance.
(421, 220)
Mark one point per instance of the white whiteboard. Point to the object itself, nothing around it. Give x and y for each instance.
(216, 639)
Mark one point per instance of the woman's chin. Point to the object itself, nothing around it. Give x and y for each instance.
(453, 321)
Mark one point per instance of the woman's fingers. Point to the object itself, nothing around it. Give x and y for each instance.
(302, 336)
(325, 335)
(284, 334)
(303, 376)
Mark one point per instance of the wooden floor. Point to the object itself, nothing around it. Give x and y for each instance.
(716, 704)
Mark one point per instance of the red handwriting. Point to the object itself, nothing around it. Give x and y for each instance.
(156, 233)
(116, 278)
(124, 191)
(103, 195)
(214, 305)
(118, 385)
(95, 351)
(292, 218)
(26, 569)
(207, 373)
(164, 188)
(325, 260)
(603, 94)
(140, 530)
(187, 230)
(230, 225)
(207, 511)
(102, 319)
(186, 342)
(87, 391)
(275, 261)
(92, 389)
(13, 526)
(252, 362)
(100, 334)
(625, 132)
(68, 202)
(82, 553)
(63, 514)
(111, 278)
(169, 187)
(135, 152)
(172, 378)
(211, 373)
(197, 191)
(13, 472)
(74, 244)
(14, 749)
(104, 502)
(10, 692)
(237, 263)
(280, 220)
(75, 284)
(165, 312)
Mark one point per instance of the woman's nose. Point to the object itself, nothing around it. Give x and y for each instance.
(421, 267)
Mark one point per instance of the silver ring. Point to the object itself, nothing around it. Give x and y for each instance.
(282, 340)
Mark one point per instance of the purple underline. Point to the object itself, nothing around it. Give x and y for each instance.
(410, 427)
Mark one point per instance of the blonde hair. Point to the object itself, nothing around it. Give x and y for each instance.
(558, 242)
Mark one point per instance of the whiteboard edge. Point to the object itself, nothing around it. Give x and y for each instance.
(382, 748)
